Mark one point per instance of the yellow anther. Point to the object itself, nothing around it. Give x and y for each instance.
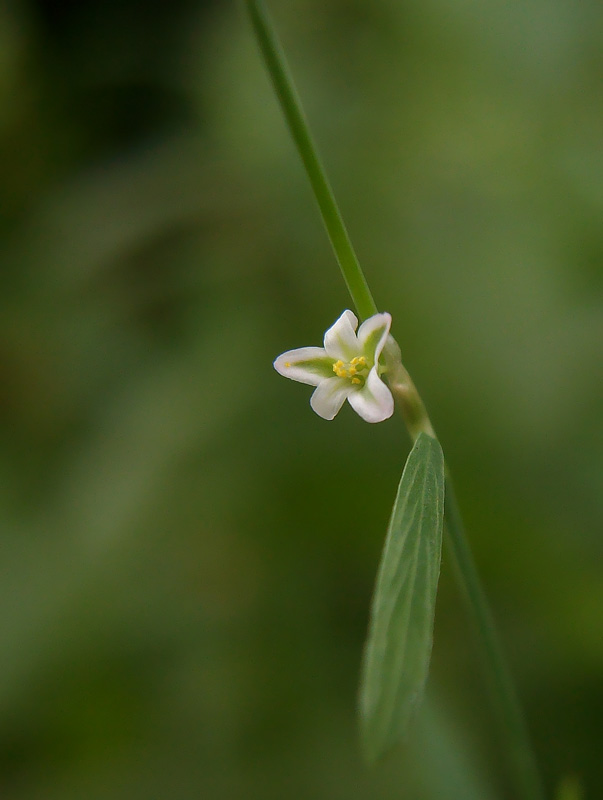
(287, 364)
(351, 370)
(339, 368)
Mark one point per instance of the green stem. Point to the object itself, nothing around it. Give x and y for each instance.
(292, 109)
(405, 392)
(509, 711)
(512, 724)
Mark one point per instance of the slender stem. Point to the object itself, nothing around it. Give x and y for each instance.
(405, 392)
(512, 723)
(290, 103)
(510, 716)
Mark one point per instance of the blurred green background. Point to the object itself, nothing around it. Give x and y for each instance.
(188, 552)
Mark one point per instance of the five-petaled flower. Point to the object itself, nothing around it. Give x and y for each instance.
(346, 368)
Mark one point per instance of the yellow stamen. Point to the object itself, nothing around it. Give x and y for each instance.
(353, 370)
(340, 370)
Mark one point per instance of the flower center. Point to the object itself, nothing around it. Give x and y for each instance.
(355, 370)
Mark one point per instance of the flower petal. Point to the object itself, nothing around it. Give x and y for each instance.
(306, 365)
(340, 339)
(374, 401)
(329, 396)
(372, 335)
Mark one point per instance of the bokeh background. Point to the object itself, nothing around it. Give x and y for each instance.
(187, 552)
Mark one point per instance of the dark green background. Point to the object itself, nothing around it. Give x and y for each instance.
(187, 551)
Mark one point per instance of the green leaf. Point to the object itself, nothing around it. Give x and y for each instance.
(398, 648)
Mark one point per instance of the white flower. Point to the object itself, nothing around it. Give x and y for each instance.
(347, 368)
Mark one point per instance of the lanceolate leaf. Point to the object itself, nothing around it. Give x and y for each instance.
(398, 649)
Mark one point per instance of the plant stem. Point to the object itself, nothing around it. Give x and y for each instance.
(512, 724)
(521, 758)
(405, 392)
(292, 109)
